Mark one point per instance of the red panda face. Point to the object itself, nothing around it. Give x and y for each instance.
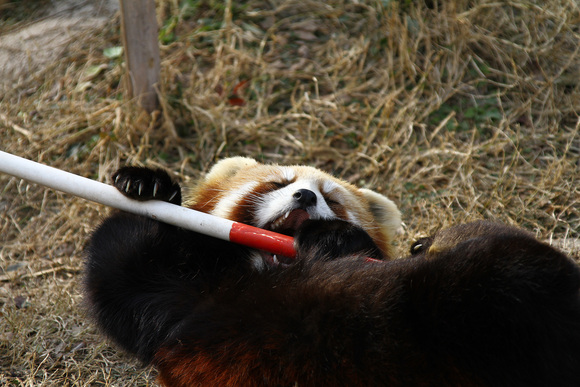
(304, 193)
(281, 198)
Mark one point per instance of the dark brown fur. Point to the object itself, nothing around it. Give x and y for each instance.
(480, 304)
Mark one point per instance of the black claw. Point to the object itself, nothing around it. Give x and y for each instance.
(146, 184)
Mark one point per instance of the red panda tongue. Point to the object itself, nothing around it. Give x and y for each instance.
(294, 220)
(287, 224)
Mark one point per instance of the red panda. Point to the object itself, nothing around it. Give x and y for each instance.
(480, 304)
(280, 198)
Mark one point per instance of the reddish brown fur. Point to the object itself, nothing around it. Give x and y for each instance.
(479, 304)
(378, 216)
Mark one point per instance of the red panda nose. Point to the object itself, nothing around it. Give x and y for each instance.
(305, 198)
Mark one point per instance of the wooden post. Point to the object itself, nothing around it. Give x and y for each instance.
(141, 42)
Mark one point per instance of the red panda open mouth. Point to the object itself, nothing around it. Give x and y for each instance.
(287, 224)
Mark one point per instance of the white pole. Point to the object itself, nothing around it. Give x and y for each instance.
(109, 196)
(184, 217)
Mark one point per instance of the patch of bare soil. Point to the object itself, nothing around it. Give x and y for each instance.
(29, 48)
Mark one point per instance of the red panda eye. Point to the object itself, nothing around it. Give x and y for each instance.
(331, 202)
(278, 185)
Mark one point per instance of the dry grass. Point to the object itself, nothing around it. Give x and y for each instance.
(465, 110)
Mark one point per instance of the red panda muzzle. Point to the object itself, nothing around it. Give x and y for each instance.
(287, 224)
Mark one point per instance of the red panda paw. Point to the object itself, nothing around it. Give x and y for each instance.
(141, 183)
(332, 239)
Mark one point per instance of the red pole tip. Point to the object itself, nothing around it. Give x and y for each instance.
(258, 238)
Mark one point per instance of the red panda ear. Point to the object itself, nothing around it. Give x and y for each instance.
(227, 168)
(384, 212)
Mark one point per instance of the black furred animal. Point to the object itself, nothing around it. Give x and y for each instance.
(480, 304)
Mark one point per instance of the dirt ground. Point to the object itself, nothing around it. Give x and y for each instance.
(26, 48)
(456, 110)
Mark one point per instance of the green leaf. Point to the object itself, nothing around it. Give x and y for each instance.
(471, 112)
(113, 52)
(93, 71)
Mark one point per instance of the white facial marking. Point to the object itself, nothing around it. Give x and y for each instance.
(328, 186)
(280, 202)
(226, 204)
(288, 174)
(340, 193)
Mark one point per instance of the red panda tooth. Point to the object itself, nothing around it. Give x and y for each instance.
(278, 222)
(275, 259)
